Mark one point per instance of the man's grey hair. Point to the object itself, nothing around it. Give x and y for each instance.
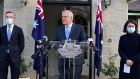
(69, 12)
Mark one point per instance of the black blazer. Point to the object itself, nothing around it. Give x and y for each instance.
(77, 33)
(15, 45)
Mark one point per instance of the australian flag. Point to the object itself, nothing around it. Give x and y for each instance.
(98, 38)
(38, 33)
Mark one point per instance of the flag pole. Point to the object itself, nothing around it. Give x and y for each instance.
(93, 55)
(91, 51)
(90, 64)
(47, 65)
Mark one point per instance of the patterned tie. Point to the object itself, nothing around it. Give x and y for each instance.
(9, 33)
(67, 32)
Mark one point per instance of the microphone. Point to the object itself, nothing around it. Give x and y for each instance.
(49, 46)
(46, 49)
(41, 45)
(42, 42)
(91, 44)
(94, 47)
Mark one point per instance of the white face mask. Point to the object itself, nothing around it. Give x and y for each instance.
(130, 30)
(9, 21)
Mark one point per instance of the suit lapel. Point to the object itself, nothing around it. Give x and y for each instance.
(72, 30)
(63, 33)
(13, 32)
(5, 32)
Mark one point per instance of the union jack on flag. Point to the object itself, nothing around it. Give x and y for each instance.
(38, 33)
(38, 27)
(98, 38)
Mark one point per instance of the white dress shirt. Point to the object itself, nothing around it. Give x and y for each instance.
(69, 26)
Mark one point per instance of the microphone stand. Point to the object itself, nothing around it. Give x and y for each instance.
(41, 63)
(95, 49)
(46, 53)
(39, 51)
(90, 63)
(42, 54)
(47, 63)
(34, 56)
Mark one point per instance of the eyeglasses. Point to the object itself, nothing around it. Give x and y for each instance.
(64, 16)
(131, 26)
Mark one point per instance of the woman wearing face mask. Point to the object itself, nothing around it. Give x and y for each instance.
(129, 51)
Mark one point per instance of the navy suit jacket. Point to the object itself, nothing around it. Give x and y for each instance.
(15, 45)
(76, 33)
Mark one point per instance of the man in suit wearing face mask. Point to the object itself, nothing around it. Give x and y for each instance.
(11, 47)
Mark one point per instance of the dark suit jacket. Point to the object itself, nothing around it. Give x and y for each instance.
(15, 45)
(77, 33)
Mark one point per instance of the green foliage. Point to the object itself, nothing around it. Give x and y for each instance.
(23, 66)
(109, 68)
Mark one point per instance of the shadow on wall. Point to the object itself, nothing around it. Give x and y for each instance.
(1, 12)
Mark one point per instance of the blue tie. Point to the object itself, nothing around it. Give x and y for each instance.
(67, 32)
(9, 33)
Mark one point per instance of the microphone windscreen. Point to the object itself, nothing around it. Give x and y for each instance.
(89, 40)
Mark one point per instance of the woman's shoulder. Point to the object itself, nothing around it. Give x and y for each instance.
(122, 36)
(138, 35)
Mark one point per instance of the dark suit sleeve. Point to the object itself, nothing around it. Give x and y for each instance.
(21, 40)
(120, 50)
(0, 36)
(56, 36)
(82, 35)
(56, 39)
(136, 58)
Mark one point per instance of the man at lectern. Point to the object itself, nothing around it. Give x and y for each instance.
(72, 31)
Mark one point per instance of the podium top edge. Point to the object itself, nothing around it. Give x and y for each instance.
(66, 41)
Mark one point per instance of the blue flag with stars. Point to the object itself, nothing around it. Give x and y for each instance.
(38, 33)
(99, 38)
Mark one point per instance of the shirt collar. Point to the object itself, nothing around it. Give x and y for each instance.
(11, 26)
(69, 26)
